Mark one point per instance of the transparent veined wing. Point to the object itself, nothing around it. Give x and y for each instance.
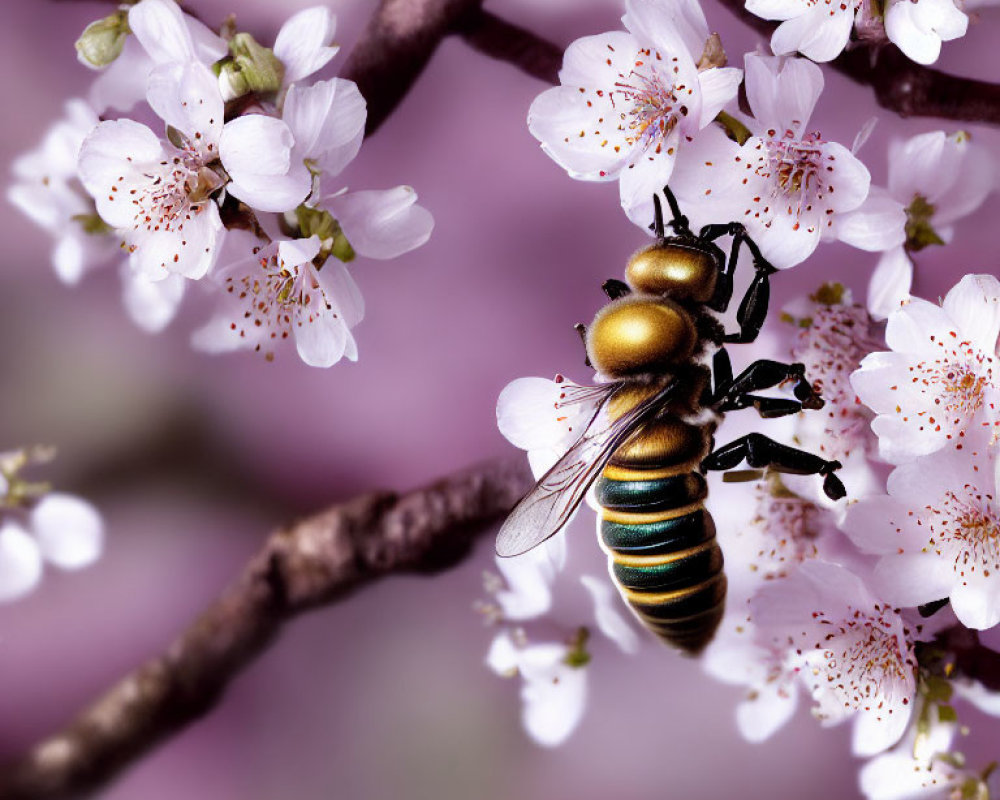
(544, 511)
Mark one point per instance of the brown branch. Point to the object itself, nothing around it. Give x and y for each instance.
(488, 34)
(318, 560)
(395, 47)
(900, 85)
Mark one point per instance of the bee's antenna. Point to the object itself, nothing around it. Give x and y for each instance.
(657, 225)
(679, 223)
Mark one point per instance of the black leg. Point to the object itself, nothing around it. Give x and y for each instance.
(614, 288)
(764, 374)
(753, 308)
(722, 373)
(581, 329)
(759, 451)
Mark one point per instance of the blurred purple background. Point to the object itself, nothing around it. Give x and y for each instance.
(193, 459)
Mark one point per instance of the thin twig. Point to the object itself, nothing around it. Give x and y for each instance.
(312, 562)
(901, 85)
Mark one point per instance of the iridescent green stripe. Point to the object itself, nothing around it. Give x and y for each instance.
(659, 537)
(652, 495)
(674, 574)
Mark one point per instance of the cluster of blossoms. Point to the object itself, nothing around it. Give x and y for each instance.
(232, 185)
(39, 525)
(836, 601)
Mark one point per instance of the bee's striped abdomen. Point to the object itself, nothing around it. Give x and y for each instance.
(660, 539)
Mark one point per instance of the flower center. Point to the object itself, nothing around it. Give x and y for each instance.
(969, 528)
(795, 166)
(865, 660)
(654, 109)
(175, 189)
(276, 297)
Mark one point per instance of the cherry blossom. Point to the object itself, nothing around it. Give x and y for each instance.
(275, 294)
(936, 532)
(939, 179)
(629, 101)
(554, 692)
(48, 191)
(940, 377)
(163, 34)
(544, 417)
(851, 650)
(821, 29)
(160, 194)
(786, 184)
(39, 525)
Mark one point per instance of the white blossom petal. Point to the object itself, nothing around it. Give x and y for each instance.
(160, 28)
(719, 86)
(889, 286)
(303, 45)
(186, 96)
(327, 121)
(69, 530)
(554, 694)
(20, 562)
(645, 178)
(382, 223)
(256, 152)
(820, 34)
(974, 304)
(783, 91)
(151, 304)
(879, 223)
(609, 619)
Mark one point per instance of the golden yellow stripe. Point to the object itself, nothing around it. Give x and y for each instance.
(659, 560)
(645, 517)
(648, 599)
(614, 472)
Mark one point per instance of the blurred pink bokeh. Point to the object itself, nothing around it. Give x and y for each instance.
(385, 695)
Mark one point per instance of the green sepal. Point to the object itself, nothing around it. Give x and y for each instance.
(92, 224)
(578, 656)
(734, 129)
(249, 67)
(919, 232)
(317, 222)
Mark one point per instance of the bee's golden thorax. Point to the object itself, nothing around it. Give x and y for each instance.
(640, 334)
(678, 270)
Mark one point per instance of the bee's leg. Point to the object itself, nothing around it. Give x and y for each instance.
(760, 451)
(764, 374)
(581, 329)
(722, 374)
(614, 288)
(753, 308)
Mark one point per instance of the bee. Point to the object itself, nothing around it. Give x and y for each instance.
(650, 440)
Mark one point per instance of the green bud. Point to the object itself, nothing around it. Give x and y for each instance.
(250, 67)
(919, 233)
(101, 42)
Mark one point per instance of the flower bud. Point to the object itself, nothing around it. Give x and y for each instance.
(317, 222)
(101, 42)
(250, 67)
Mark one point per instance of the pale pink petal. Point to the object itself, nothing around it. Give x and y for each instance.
(161, 29)
(502, 656)
(974, 304)
(186, 96)
(123, 83)
(607, 613)
(820, 34)
(889, 286)
(69, 530)
(256, 152)
(783, 240)
(771, 707)
(877, 224)
(677, 27)
(976, 600)
(327, 121)
(924, 164)
(151, 304)
(103, 162)
(880, 728)
(645, 177)
(20, 562)
(320, 337)
(189, 250)
(382, 223)
(554, 694)
(296, 252)
(975, 178)
(303, 45)
(778, 9)
(343, 292)
(719, 86)
(782, 92)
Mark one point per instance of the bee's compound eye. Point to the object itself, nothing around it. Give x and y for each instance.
(676, 270)
(636, 335)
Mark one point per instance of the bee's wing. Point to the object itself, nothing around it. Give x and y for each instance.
(543, 512)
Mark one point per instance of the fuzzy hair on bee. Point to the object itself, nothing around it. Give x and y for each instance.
(660, 349)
